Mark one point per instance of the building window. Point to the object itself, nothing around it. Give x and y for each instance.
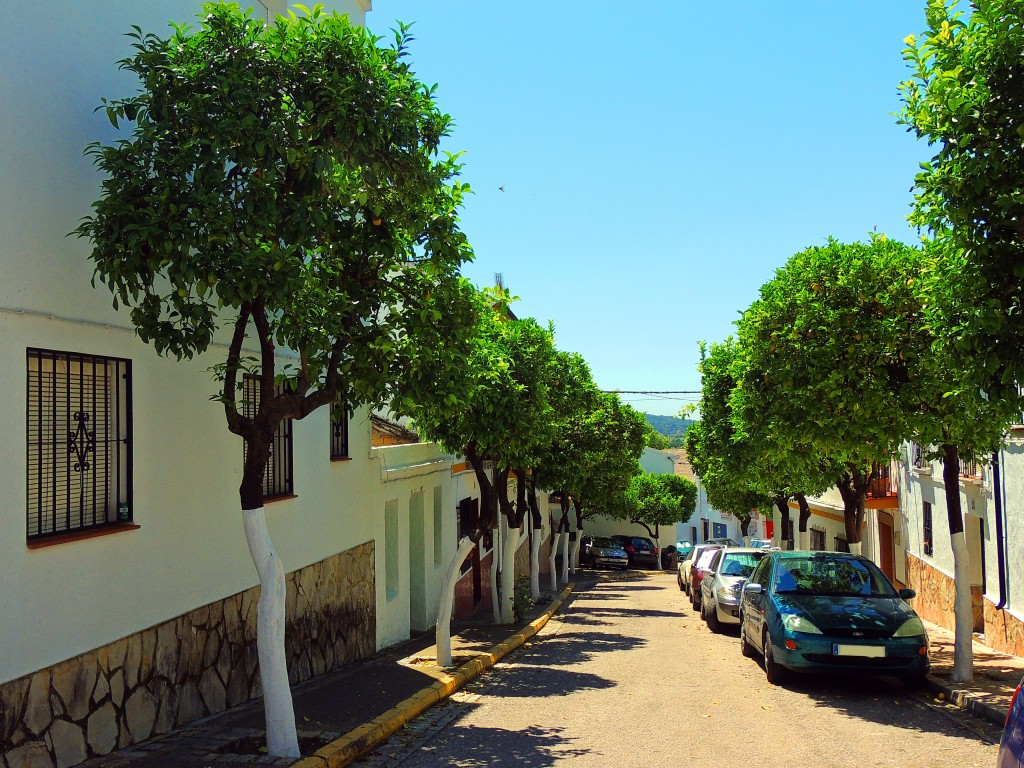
(278, 477)
(79, 457)
(339, 433)
(926, 526)
(840, 544)
(817, 539)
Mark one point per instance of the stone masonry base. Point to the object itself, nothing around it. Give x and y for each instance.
(191, 666)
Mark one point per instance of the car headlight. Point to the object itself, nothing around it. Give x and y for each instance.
(795, 623)
(912, 627)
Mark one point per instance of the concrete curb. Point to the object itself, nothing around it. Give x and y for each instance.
(969, 701)
(361, 740)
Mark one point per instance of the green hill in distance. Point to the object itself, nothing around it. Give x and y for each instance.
(669, 426)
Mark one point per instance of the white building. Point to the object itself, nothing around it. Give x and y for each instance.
(127, 604)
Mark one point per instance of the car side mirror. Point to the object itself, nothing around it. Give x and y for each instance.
(907, 594)
(752, 588)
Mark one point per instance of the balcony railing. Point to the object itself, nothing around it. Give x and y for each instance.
(883, 483)
(971, 469)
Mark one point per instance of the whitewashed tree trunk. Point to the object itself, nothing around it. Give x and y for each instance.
(565, 558)
(282, 738)
(508, 574)
(575, 552)
(494, 570)
(963, 611)
(538, 539)
(555, 541)
(855, 547)
(803, 540)
(443, 628)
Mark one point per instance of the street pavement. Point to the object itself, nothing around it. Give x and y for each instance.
(624, 674)
(628, 675)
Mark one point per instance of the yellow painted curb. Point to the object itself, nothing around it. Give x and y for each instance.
(361, 740)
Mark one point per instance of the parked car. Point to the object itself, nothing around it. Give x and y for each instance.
(1011, 746)
(761, 543)
(700, 567)
(724, 541)
(641, 551)
(683, 571)
(673, 553)
(830, 612)
(603, 551)
(720, 588)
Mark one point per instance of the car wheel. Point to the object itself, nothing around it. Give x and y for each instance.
(775, 672)
(712, 617)
(679, 581)
(745, 647)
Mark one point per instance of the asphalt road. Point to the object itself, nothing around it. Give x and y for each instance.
(626, 674)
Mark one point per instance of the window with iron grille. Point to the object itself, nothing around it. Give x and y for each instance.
(79, 453)
(840, 544)
(926, 527)
(817, 539)
(278, 477)
(339, 433)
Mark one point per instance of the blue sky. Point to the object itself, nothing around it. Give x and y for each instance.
(661, 159)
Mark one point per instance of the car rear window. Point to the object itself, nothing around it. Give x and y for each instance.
(706, 557)
(602, 541)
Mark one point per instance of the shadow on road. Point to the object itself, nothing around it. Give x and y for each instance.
(883, 700)
(533, 746)
(530, 682)
(579, 647)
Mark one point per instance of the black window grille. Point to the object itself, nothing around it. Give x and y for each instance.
(840, 544)
(79, 453)
(926, 527)
(339, 433)
(817, 539)
(278, 477)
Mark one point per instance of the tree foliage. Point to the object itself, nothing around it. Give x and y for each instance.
(286, 178)
(965, 96)
(653, 500)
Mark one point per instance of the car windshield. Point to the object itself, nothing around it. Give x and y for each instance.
(602, 541)
(739, 563)
(839, 576)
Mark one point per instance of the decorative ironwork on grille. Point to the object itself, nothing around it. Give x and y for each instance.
(278, 476)
(339, 433)
(926, 528)
(79, 453)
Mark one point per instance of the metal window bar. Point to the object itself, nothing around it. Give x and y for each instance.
(840, 544)
(278, 476)
(970, 468)
(917, 456)
(926, 528)
(817, 539)
(339, 433)
(78, 442)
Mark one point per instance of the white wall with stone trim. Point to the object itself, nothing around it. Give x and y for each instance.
(58, 62)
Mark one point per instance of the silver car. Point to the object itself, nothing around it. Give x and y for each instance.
(605, 551)
(720, 589)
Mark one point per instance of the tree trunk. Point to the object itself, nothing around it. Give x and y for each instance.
(443, 628)
(282, 739)
(555, 541)
(508, 574)
(535, 544)
(805, 516)
(963, 612)
(782, 504)
(853, 487)
(565, 557)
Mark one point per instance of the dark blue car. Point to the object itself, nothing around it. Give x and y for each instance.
(830, 612)
(1011, 748)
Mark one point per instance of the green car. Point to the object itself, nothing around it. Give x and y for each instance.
(830, 612)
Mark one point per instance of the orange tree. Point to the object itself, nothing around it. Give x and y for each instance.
(284, 181)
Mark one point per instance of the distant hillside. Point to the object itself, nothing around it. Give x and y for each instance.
(669, 426)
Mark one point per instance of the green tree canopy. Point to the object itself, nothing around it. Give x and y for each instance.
(653, 500)
(965, 98)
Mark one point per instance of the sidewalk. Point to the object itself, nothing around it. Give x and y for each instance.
(996, 676)
(343, 714)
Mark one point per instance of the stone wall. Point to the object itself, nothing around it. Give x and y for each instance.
(199, 663)
(1003, 630)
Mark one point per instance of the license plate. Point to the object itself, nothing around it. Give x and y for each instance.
(871, 651)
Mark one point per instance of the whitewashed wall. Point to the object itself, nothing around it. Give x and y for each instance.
(409, 478)
(57, 61)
